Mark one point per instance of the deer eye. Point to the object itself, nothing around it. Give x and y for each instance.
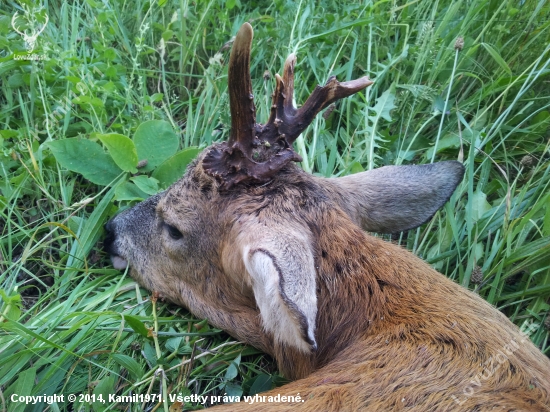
(173, 232)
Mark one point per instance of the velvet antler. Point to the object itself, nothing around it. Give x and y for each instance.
(255, 153)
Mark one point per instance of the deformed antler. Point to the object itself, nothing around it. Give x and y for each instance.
(255, 153)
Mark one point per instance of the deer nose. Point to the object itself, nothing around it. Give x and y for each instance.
(109, 246)
(109, 226)
(109, 241)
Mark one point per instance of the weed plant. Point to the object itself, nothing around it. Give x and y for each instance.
(461, 79)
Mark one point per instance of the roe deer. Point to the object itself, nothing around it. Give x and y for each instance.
(280, 260)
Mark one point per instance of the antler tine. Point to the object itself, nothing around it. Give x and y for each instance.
(241, 99)
(319, 99)
(288, 120)
(288, 80)
(282, 107)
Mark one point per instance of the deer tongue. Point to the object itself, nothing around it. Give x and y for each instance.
(118, 262)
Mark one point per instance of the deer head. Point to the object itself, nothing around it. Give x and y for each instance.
(256, 245)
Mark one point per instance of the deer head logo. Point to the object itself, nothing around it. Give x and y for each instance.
(33, 24)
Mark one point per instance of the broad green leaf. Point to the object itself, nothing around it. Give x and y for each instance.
(233, 369)
(129, 191)
(87, 158)
(157, 97)
(136, 324)
(97, 102)
(110, 54)
(5, 25)
(479, 205)
(540, 117)
(262, 383)
(128, 363)
(233, 389)
(478, 251)
(149, 185)
(446, 142)
(177, 345)
(356, 168)
(149, 353)
(155, 142)
(173, 344)
(14, 299)
(167, 35)
(105, 387)
(381, 110)
(111, 72)
(16, 80)
(82, 99)
(8, 133)
(12, 312)
(122, 150)
(173, 169)
(230, 4)
(478, 121)
(231, 372)
(384, 105)
(10, 306)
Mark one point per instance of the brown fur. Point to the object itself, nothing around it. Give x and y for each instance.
(391, 333)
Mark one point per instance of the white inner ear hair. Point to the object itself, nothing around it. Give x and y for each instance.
(284, 288)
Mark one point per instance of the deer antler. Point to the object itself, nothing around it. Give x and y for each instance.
(241, 99)
(255, 153)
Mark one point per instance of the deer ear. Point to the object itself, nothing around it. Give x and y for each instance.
(282, 271)
(396, 198)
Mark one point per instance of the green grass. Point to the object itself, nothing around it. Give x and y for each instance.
(70, 323)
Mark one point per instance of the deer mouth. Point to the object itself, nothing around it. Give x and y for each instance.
(109, 246)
